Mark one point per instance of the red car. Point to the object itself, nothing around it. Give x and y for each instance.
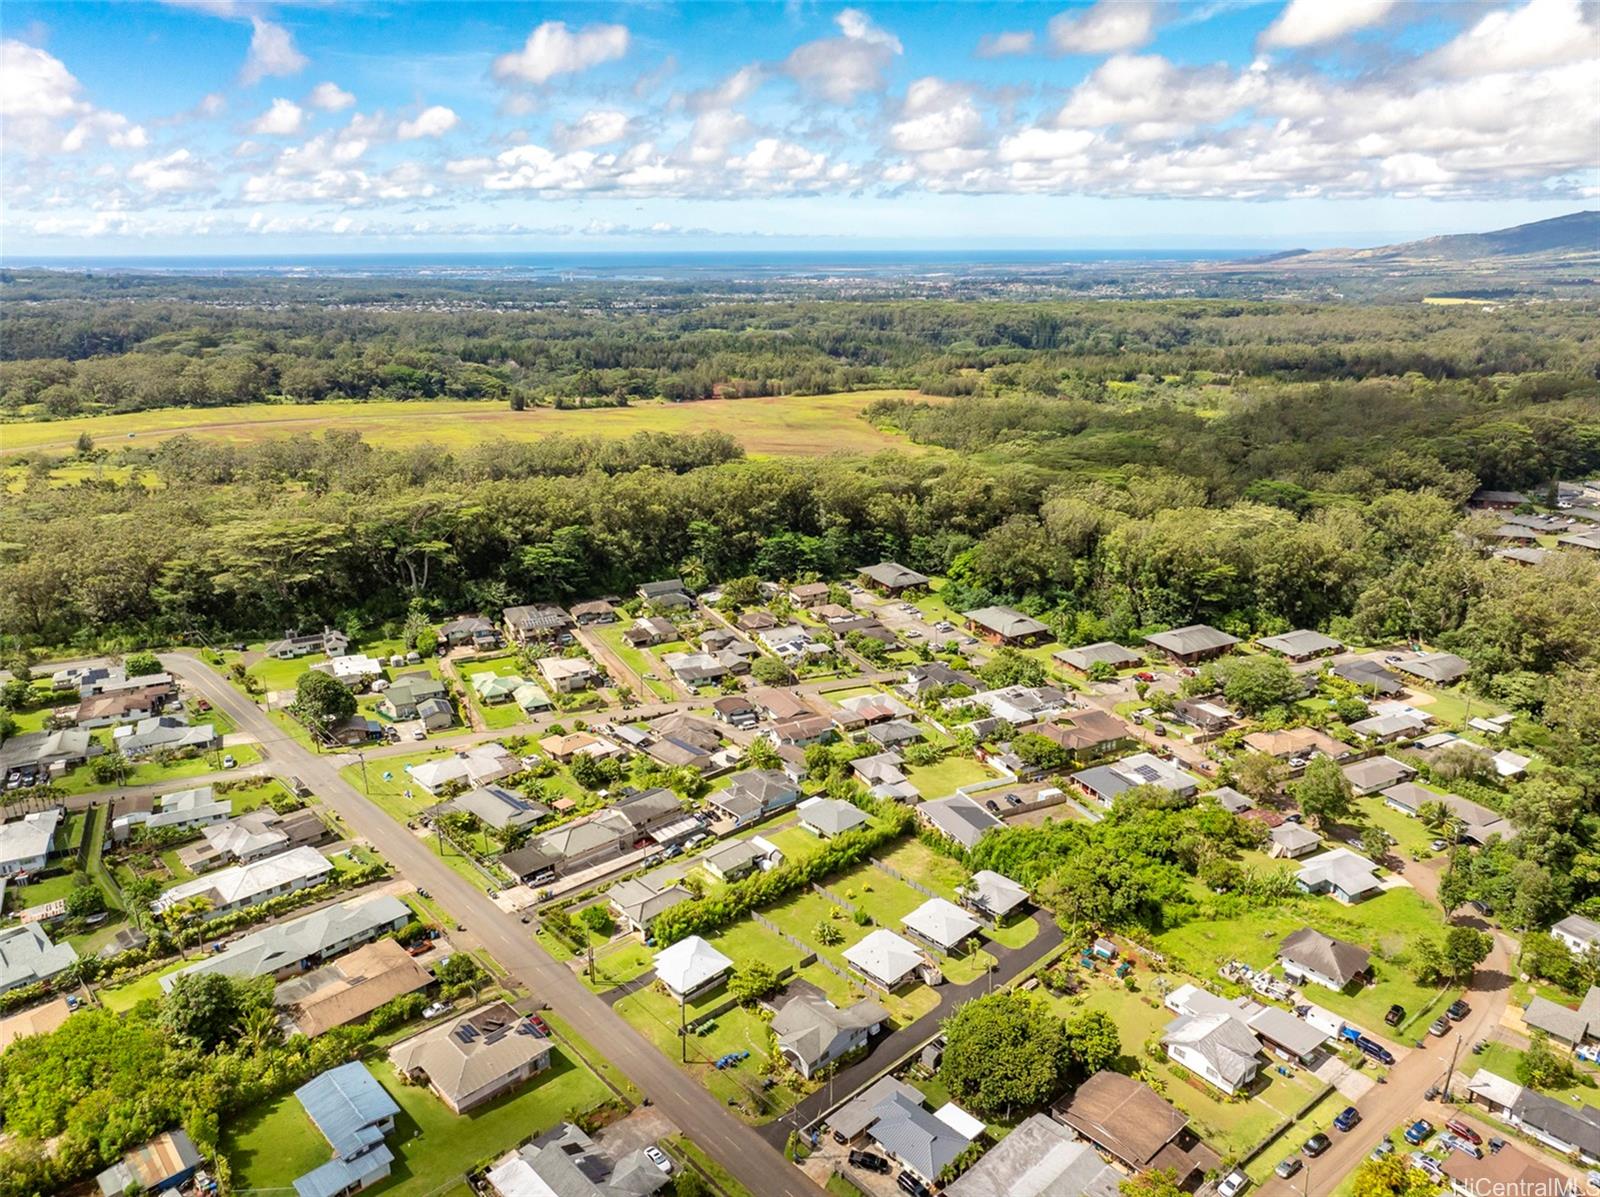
(1457, 1127)
(1145, 677)
(539, 1025)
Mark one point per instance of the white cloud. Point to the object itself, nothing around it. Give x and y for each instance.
(715, 133)
(178, 171)
(283, 119)
(735, 89)
(838, 69)
(936, 116)
(598, 127)
(1311, 22)
(113, 128)
(1540, 33)
(272, 52)
(329, 97)
(1002, 45)
(552, 49)
(38, 93)
(1109, 27)
(430, 122)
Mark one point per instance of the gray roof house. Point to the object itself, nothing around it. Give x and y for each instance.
(1340, 873)
(565, 1162)
(354, 1113)
(1563, 1023)
(923, 1143)
(1577, 932)
(958, 817)
(1369, 675)
(27, 956)
(1309, 955)
(1105, 652)
(1300, 645)
(475, 1058)
(1219, 1047)
(993, 896)
(1003, 625)
(753, 794)
(828, 817)
(495, 806)
(941, 924)
(1040, 1158)
(813, 1033)
(1290, 841)
(891, 577)
(638, 901)
(1439, 668)
(1377, 773)
(1570, 1129)
(1197, 642)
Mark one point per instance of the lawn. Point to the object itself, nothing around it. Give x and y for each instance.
(273, 1145)
(1453, 707)
(653, 674)
(781, 426)
(37, 893)
(939, 873)
(1318, 1119)
(1501, 1059)
(275, 674)
(501, 714)
(129, 995)
(619, 963)
(1411, 836)
(1232, 1127)
(949, 775)
(1387, 925)
(81, 780)
(389, 795)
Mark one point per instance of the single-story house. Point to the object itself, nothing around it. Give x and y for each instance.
(494, 688)
(887, 960)
(1309, 955)
(1577, 932)
(935, 676)
(401, 700)
(35, 1020)
(477, 765)
(1388, 729)
(1485, 499)
(122, 706)
(896, 733)
(650, 630)
(495, 806)
(472, 1059)
(1296, 741)
(26, 844)
(354, 1113)
(566, 1161)
(351, 987)
(1478, 822)
(958, 817)
(1231, 800)
(639, 901)
(1369, 675)
(756, 621)
(828, 817)
(1567, 1026)
(1088, 734)
(596, 611)
(1022, 705)
(667, 592)
(250, 884)
(732, 859)
(1197, 642)
(941, 924)
(256, 834)
(1104, 782)
(1509, 764)
(283, 949)
(1219, 1048)
(813, 1033)
(1134, 1126)
(1345, 875)
(1040, 1158)
(736, 711)
(992, 896)
(1105, 652)
(1003, 625)
(1441, 669)
(469, 629)
(532, 863)
(164, 733)
(1571, 1129)
(355, 670)
(166, 1162)
(924, 1143)
(1301, 644)
(27, 956)
(691, 967)
(1377, 773)
(331, 641)
(1291, 841)
(1203, 715)
(1281, 1033)
(890, 577)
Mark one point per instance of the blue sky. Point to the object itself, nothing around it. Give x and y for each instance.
(223, 126)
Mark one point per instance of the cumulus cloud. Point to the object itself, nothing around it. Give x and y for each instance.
(1311, 22)
(1002, 45)
(1540, 33)
(734, 89)
(936, 116)
(600, 126)
(553, 49)
(838, 69)
(1110, 26)
(435, 121)
(272, 52)
(283, 119)
(330, 97)
(38, 95)
(178, 171)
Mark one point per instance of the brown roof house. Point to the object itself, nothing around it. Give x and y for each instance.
(350, 987)
(1134, 1126)
(474, 1058)
(1197, 642)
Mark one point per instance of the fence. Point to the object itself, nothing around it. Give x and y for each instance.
(833, 897)
(810, 957)
(888, 868)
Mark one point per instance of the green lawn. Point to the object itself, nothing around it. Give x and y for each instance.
(1411, 836)
(949, 775)
(81, 780)
(1231, 1127)
(1387, 925)
(274, 674)
(126, 997)
(500, 715)
(944, 876)
(654, 674)
(273, 1145)
(620, 963)
(1318, 1120)
(36, 893)
(1501, 1059)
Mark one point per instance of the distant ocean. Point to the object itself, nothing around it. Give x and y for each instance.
(642, 264)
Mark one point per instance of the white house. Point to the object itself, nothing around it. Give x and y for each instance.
(691, 967)
(251, 884)
(26, 844)
(886, 959)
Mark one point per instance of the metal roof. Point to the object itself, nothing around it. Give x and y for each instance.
(347, 1103)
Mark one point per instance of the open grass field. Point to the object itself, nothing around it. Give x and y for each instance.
(949, 775)
(269, 1147)
(776, 427)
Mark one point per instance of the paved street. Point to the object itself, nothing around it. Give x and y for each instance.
(734, 1145)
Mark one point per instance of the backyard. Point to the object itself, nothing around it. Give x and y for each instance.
(146, 773)
(949, 775)
(276, 1143)
(645, 667)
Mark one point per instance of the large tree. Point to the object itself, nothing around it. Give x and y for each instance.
(321, 700)
(1005, 1052)
(1323, 791)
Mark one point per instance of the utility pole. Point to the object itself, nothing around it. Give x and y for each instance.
(683, 1032)
(362, 757)
(1450, 1072)
(591, 965)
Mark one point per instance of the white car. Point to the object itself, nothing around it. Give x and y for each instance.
(435, 1010)
(1233, 1184)
(659, 1158)
(418, 733)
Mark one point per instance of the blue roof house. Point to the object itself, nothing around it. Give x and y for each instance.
(354, 1113)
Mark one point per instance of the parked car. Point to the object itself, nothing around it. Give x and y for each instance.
(1287, 1168)
(1376, 1050)
(1396, 1015)
(1347, 1119)
(418, 733)
(1439, 1026)
(1384, 1147)
(436, 1009)
(1429, 1165)
(1233, 1184)
(1457, 1143)
(1457, 1127)
(539, 1024)
(1317, 1144)
(1419, 1132)
(911, 1186)
(1458, 1010)
(228, 762)
(994, 807)
(872, 1163)
(659, 1158)
(1014, 799)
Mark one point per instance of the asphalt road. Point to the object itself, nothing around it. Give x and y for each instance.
(733, 1144)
